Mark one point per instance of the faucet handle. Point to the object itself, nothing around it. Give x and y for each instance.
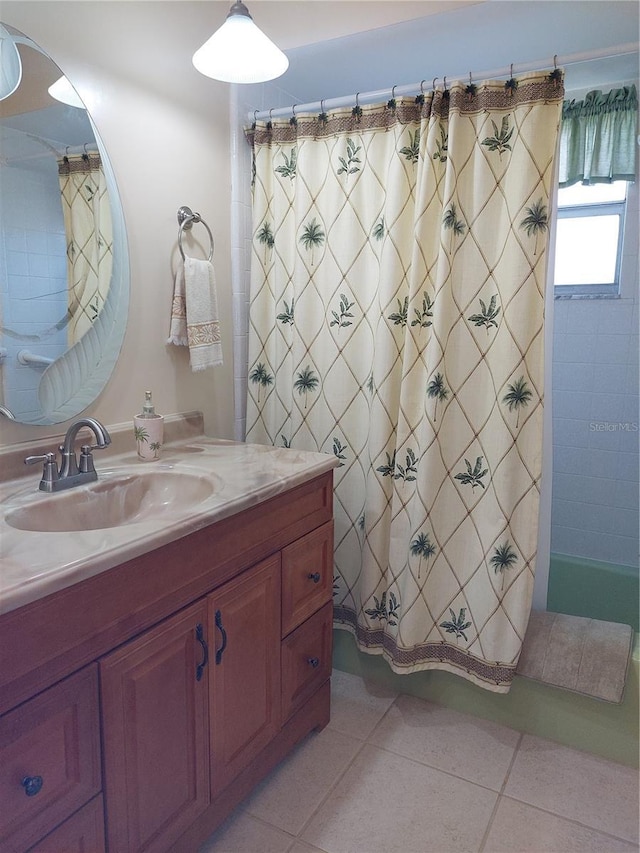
(47, 458)
(86, 459)
(50, 469)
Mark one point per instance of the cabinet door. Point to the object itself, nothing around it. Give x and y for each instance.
(244, 618)
(49, 759)
(83, 832)
(156, 726)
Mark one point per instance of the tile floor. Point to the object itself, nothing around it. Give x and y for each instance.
(395, 774)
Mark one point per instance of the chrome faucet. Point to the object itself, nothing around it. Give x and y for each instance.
(70, 473)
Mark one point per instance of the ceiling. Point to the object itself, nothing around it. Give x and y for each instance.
(447, 38)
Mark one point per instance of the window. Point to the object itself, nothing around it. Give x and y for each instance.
(589, 239)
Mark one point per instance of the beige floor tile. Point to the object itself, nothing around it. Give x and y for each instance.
(386, 802)
(576, 785)
(301, 847)
(357, 705)
(288, 797)
(242, 833)
(518, 828)
(474, 749)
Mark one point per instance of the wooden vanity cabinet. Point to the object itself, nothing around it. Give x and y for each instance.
(200, 665)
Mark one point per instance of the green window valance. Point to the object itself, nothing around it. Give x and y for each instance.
(598, 138)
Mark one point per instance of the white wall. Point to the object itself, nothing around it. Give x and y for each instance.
(166, 131)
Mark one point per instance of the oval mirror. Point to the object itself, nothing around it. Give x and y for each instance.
(64, 268)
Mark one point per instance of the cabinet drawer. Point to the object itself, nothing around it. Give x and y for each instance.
(49, 759)
(307, 576)
(83, 832)
(306, 660)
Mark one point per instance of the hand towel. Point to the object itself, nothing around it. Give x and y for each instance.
(194, 314)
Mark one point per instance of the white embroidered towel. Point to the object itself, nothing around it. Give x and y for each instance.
(178, 327)
(194, 314)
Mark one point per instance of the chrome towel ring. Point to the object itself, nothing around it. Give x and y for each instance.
(186, 218)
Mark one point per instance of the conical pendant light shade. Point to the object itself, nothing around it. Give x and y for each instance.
(10, 65)
(239, 52)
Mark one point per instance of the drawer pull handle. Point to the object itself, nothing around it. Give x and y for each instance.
(224, 637)
(314, 576)
(205, 651)
(32, 785)
(314, 662)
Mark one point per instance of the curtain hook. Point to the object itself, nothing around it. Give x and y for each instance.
(555, 62)
(393, 92)
(511, 70)
(470, 83)
(356, 112)
(433, 85)
(293, 109)
(422, 82)
(255, 117)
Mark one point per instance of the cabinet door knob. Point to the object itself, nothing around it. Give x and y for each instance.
(314, 662)
(205, 651)
(32, 785)
(314, 576)
(224, 637)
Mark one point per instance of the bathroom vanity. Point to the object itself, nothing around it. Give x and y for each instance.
(153, 672)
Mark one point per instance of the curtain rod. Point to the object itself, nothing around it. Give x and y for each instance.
(382, 94)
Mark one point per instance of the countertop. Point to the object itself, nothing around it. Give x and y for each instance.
(34, 564)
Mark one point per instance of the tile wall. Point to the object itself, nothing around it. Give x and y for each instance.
(596, 418)
(33, 280)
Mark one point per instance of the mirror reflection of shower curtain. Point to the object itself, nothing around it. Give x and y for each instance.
(88, 226)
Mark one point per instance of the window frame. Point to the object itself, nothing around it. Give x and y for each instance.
(603, 208)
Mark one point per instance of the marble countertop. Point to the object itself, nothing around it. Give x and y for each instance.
(34, 564)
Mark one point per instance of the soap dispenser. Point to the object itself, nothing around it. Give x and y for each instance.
(148, 429)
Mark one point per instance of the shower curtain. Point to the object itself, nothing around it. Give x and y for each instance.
(87, 220)
(396, 321)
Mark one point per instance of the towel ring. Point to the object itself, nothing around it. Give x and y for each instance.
(186, 218)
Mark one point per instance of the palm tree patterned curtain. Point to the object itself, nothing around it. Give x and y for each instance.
(396, 321)
(87, 219)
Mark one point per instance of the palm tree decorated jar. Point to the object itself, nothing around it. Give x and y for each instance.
(148, 429)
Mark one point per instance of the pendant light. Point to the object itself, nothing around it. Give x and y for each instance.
(10, 64)
(63, 91)
(239, 52)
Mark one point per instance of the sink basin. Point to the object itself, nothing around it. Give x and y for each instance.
(114, 500)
